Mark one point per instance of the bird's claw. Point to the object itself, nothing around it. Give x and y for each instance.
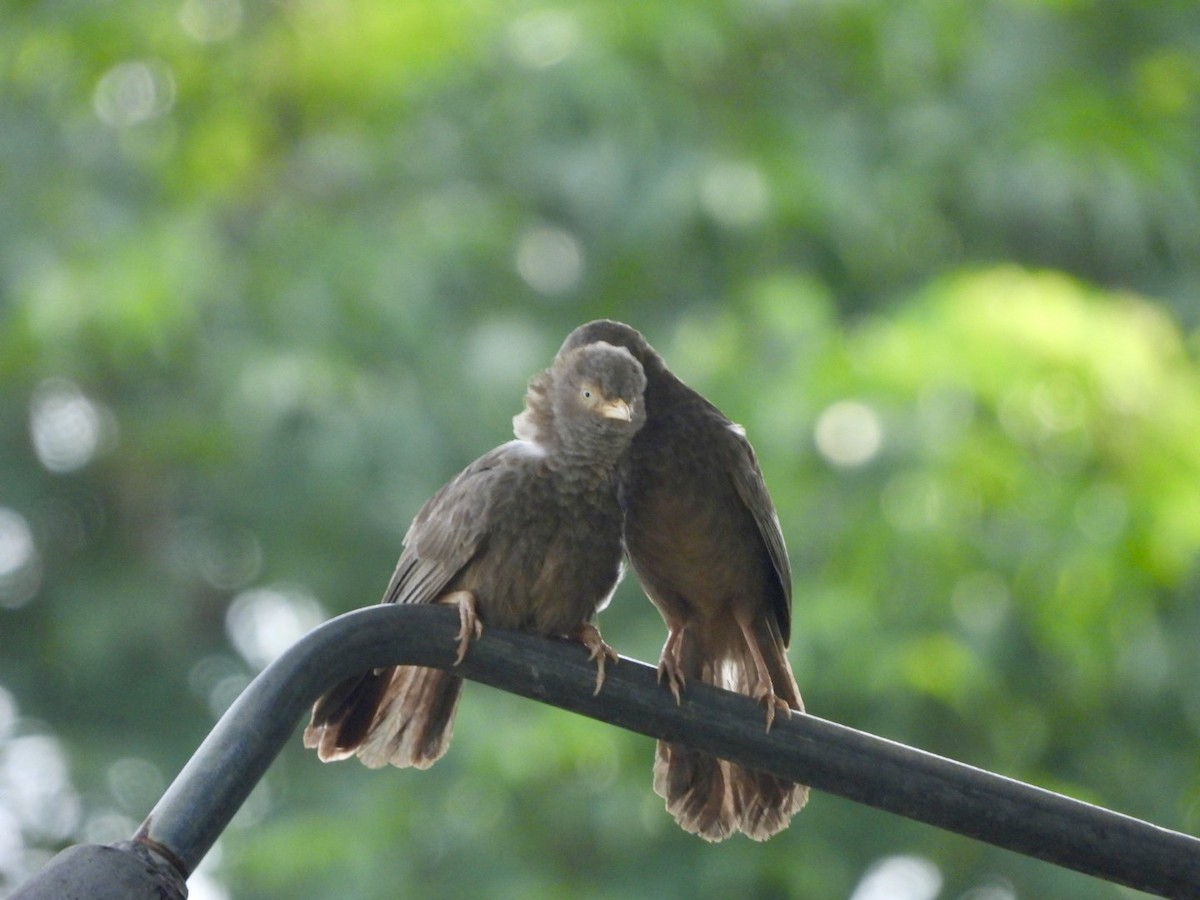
(469, 626)
(589, 635)
(764, 689)
(669, 669)
(669, 666)
(772, 701)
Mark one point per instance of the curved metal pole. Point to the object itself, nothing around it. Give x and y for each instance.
(216, 781)
(212, 786)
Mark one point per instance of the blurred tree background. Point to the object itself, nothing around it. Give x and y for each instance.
(270, 273)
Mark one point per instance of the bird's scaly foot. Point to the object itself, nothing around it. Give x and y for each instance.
(589, 635)
(669, 666)
(764, 689)
(469, 627)
(765, 694)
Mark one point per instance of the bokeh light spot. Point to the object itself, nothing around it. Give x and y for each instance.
(501, 349)
(227, 558)
(209, 21)
(20, 567)
(133, 92)
(735, 194)
(108, 826)
(12, 844)
(68, 429)
(900, 878)
(8, 713)
(849, 434)
(136, 784)
(205, 886)
(224, 692)
(549, 259)
(980, 601)
(35, 782)
(16, 542)
(543, 38)
(264, 622)
(992, 890)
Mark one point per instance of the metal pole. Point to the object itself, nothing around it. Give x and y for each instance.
(126, 871)
(829, 757)
(214, 783)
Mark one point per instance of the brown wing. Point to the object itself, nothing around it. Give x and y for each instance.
(451, 528)
(748, 480)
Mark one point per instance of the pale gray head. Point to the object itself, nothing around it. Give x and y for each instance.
(588, 405)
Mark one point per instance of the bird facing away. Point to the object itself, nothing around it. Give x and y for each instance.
(706, 547)
(526, 537)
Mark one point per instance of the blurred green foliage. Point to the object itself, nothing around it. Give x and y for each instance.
(271, 273)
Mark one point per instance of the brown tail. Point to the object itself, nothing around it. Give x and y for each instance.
(402, 715)
(766, 803)
(694, 785)
(713, 798)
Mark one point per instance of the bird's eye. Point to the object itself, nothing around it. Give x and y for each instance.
(587, 394)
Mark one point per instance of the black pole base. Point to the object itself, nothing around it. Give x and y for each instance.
(125, 871)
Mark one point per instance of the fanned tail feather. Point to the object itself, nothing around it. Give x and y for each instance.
(402, 716)
(765, 803)
(711, 797)
(695, 786)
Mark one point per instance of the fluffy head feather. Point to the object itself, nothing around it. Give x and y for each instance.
(587, 406)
